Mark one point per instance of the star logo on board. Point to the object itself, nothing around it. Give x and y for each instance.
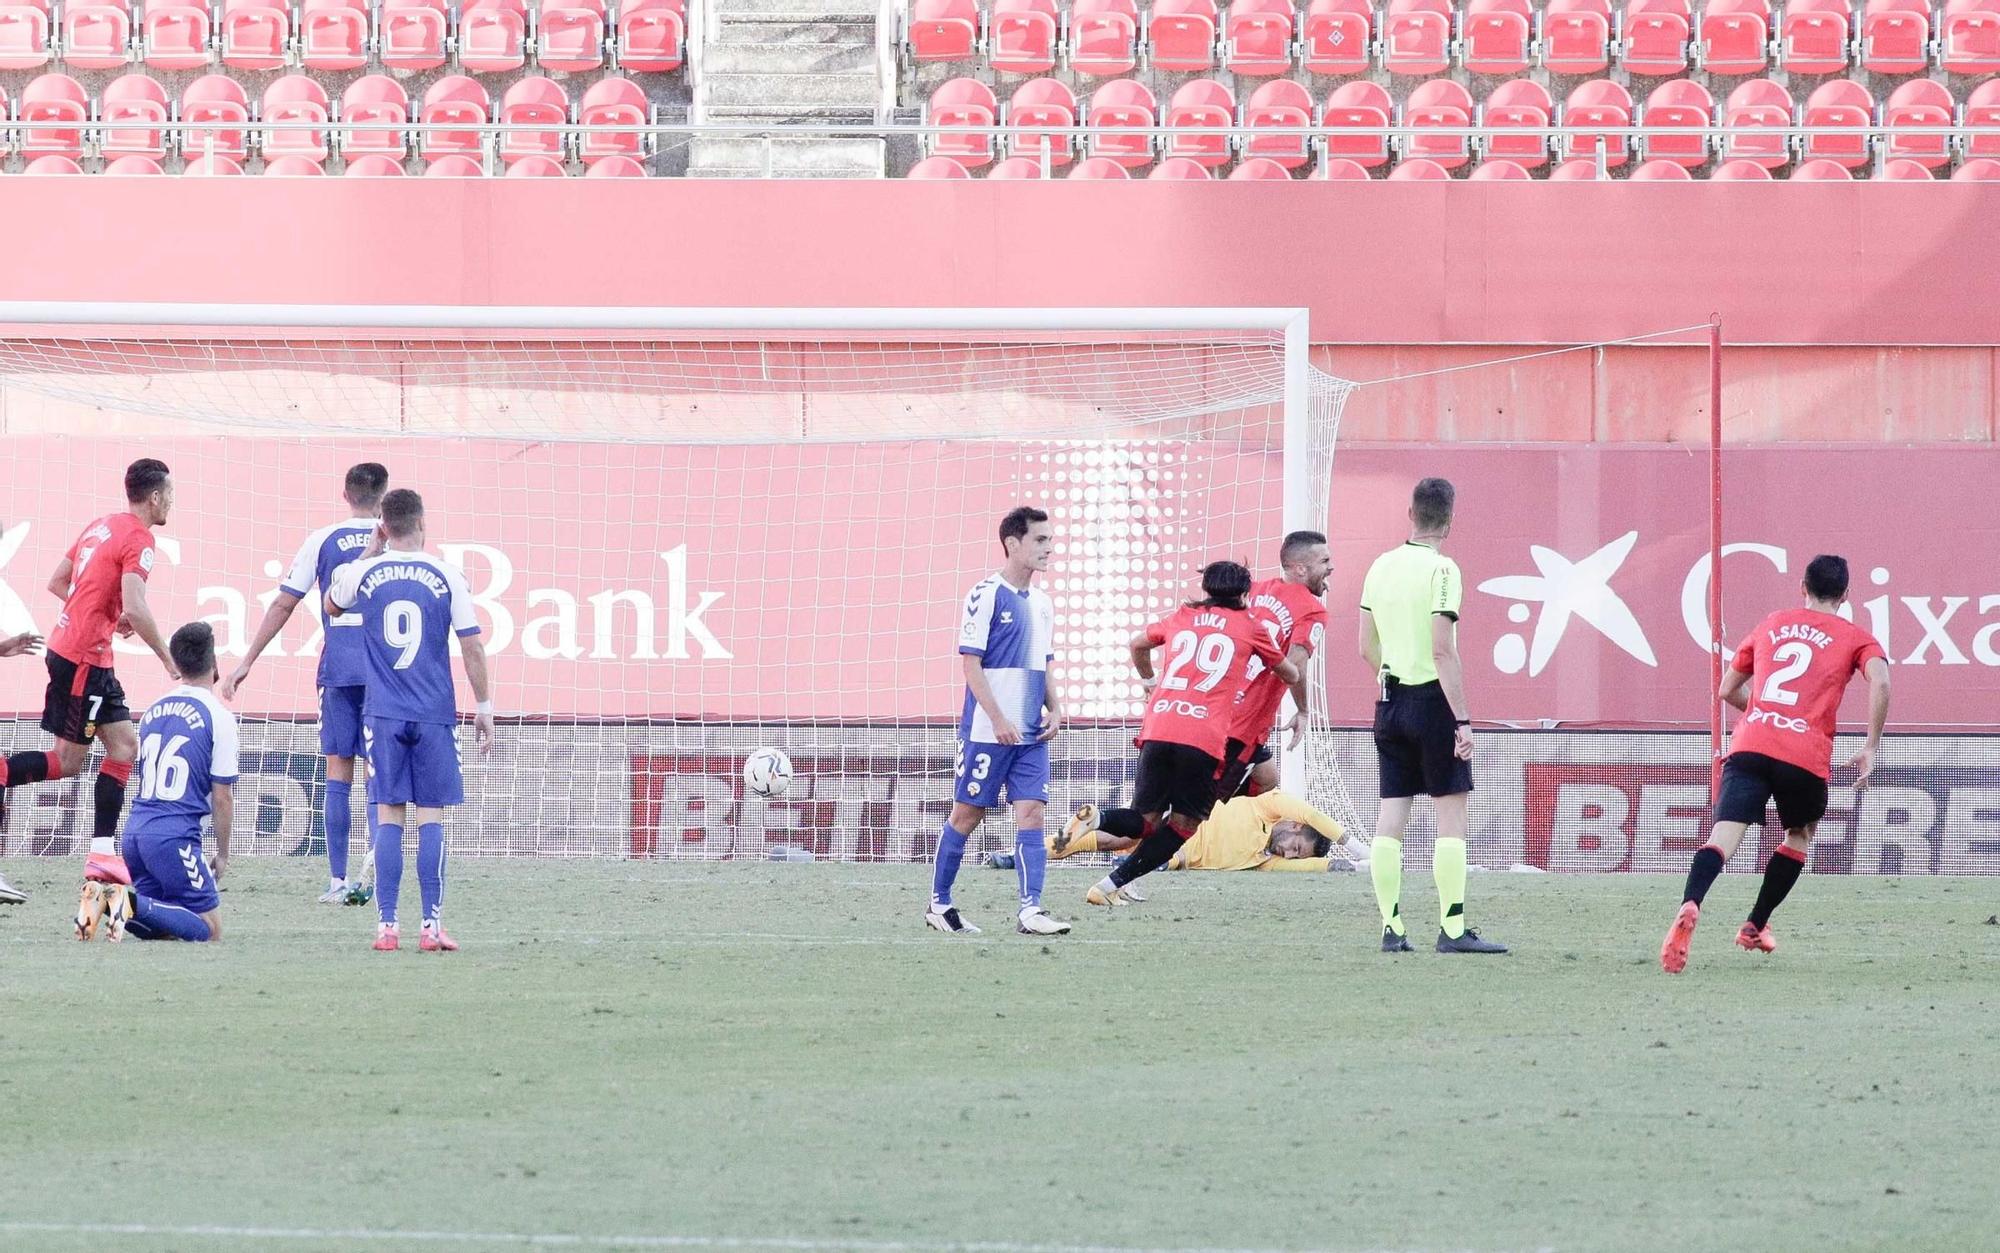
(1565, 590)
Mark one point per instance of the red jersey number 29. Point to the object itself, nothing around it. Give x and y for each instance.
(1211, 654)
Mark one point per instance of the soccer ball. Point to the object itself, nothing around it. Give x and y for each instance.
(767, 772)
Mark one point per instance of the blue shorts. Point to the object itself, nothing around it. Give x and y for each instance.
(167, 866)
(983, 769)
(413, 763)
(340, 732)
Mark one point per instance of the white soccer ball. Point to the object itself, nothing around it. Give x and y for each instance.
(767, 772)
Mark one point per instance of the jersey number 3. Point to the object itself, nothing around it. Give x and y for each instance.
(1795, 658)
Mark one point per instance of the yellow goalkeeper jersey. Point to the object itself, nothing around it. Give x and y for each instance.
(1237, 836)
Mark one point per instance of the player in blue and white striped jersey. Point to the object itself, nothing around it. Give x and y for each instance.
(343, 671)
(1006, 639)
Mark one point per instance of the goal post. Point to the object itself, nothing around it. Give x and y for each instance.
(691, 531)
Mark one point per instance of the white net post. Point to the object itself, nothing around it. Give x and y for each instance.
(691, 532)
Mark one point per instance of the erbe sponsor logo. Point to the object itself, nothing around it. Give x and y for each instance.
(1182, 708)
(1772, 718)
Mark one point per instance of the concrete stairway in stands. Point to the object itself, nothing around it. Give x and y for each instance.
(783, 63)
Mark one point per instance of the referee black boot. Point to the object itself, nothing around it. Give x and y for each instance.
(1467, 943)
(1393, 943)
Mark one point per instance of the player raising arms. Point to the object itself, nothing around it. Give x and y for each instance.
(102, 584)
(1212, 646)
(343, 668)
(1006, 640)
(1788, 678)
(410, 603)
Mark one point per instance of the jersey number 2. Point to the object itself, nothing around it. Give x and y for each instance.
(1797, 658)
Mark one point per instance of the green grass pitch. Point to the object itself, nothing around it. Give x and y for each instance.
(777, 1056)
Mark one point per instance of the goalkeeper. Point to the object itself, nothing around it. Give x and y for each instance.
(1272, 831)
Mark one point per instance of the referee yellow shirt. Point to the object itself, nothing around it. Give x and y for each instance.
(1237, 836)
(1405, 588)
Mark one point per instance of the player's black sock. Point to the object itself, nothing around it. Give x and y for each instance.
(1780, 873)
(25, 768)
(111, 779)
(1127, 824)
(1701, 874)
(1156, 850)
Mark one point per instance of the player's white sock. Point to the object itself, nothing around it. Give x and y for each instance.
(1106, 886)
(102, 846)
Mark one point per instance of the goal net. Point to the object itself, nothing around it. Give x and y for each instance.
(688, 533)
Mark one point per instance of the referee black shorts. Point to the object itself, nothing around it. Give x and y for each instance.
(1415, 734)
(1750, 781)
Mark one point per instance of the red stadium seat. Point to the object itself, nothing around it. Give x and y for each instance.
(1501, 172)
(493, 36)
(569, 35)
(615, 167)
(1036, 103)
(1022, 34)
(453, 166)
(1439, 102)
(1336, 36)
(1258, 170)
(52, 164)
(1103, 37)
(1896, 36)
(1497, 36)
(96, 35)
(1016, 168)
(333, 34)
(25, 29)
(1419, 171)
(1905, 171)
(1180, 170)
(1576, 170)
(1599, 102)
(1656, 37)
(1919, 102)
(219, 99)
(53, 98)
(374, 167)
(1518, 102)
(1117, 109)
(454, 99)
(1661, 172)
(1257, 37)
(1681, 102)
(1098, 168)
(1280, 102)
(381, 99)
(1357, 106)
(412, 34)
(1984, 170)
(963, 102)
(1340, 169)
(1735, 37)
(1182, 35)
(1202, 103)
(293, 167)
(1969, 36)
(1817, 36)
(1577, 36)
(133, 165)
(130, 113)
(652, 35)
(295, 98)
(1821, 172)
(1838, 102)
(1759, 117)
(256, 34)
(536, 167)
(211, 167)
(1416, 37)
(177, 35)
(1741, 172)
(613, 102)
(534, 101)
(943, 30)
(937, 168)
(1982, 108)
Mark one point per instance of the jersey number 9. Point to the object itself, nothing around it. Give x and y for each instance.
(403, 627)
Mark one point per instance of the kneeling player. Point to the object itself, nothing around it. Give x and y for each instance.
(1270, 831)
(1797, 663)
(1211, 646)
(187, 768)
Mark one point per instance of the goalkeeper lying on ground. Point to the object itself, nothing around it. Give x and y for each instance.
(1268, 832)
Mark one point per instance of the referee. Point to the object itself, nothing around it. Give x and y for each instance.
(1423, 739)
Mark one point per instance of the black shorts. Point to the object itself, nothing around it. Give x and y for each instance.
(1175, 778)
(81, 699)
(1750, 781)
(1414, 737)
(1238, 761)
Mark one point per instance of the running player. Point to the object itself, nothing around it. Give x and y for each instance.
(188, 766)
(1268, 831)
(410, 603)
(102, 584)
(14, 646)
(1212, 645)
(1006, 640)
(343, 669)
(1797, 663)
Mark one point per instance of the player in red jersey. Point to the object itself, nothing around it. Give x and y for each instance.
(102, 584)
(1211, 645)
(1787, 678)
